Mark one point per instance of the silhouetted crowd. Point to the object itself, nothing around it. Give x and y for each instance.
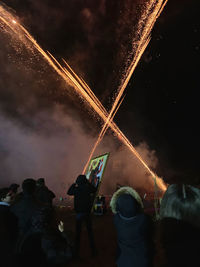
(31, 236)
(28, 231)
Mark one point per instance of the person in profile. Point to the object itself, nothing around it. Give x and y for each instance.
(83, 193)
(134, 229)
(178, 232)
(43, 194)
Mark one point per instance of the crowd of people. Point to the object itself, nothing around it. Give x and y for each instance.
(28, 232)
(31, 236)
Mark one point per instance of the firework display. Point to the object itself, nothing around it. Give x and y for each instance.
(147, 21)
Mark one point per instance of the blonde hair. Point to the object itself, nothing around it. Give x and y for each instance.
(181, 202)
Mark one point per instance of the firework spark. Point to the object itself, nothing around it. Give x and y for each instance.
(70, 77)
(148, 17)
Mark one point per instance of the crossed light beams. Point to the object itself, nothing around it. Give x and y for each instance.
(69, 76)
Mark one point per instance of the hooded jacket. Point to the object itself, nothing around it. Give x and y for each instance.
(133, 229)
(82, 190)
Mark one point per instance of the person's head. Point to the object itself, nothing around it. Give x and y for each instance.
(40, 182)
(5, 195)
(181, 202)
(28, 186)
(127, 202)
(13, 188)
(81, 179)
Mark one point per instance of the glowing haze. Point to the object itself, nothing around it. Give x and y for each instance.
(14, 28)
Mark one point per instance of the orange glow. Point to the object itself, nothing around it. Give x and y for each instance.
(70, 77)
(143, 43)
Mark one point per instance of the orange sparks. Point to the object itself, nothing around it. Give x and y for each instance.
(143, 43)
(70, 77)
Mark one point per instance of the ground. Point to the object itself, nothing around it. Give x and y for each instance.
(105, 238)
(104, 233)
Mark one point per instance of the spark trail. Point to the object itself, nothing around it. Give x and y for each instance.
(148, 17)
(69, 76)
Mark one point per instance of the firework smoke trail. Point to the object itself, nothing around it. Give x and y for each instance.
(149, 18)
(113, 111)
(101, 135)
(113, 126)
(84, 91)
(109, 122)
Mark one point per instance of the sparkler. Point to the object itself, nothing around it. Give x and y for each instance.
(70, 77)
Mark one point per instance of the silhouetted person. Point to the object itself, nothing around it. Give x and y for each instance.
(83, 192)
(178, 234)
(43, 194)
(26, 207)
(56, 245)
(134, 229)
(8, 229)
(45, 244)
(14, 193)
(14, 188)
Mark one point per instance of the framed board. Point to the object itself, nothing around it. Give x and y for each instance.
(96, 168)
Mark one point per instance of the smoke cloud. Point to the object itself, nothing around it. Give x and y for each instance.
(47, 131)
(60, 155)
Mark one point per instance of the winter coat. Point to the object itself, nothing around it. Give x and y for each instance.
(82, 191)
(25, 209)
(44, 195)
(8, 222)
(133, 229)
(42, 244)
(8, 235)
(57, 248)
(177, 244)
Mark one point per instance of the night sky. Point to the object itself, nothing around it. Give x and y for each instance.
(162, 102)
(164, 92)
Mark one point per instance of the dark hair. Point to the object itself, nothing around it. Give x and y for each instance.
(81, 179)
(181, 202)
(4, 192)
(41, 181)
(14, 187)
(28, 186)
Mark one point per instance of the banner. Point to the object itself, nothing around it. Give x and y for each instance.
(95, 170)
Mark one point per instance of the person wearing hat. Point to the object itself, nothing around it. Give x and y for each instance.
(133, 227)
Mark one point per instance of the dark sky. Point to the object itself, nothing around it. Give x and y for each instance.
(161, 104)
(166, 90)
(162, 97)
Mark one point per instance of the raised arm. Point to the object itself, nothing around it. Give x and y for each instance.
(71, 190)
